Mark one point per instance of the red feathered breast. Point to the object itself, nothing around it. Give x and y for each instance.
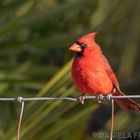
(90, 76)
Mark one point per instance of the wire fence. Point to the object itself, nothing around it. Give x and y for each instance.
(22, 100)
(109, 97)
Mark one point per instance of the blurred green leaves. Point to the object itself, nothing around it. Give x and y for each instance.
(35, 61)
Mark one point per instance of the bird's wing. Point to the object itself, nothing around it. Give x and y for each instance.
(110, 72)
(108, 69)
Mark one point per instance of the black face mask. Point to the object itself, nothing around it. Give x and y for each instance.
(82, 46)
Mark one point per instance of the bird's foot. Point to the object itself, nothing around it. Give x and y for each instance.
(81, 99)
(100, 98)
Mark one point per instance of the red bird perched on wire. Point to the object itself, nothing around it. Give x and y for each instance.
(92, 74)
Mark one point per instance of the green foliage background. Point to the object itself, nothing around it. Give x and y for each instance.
(34, 61)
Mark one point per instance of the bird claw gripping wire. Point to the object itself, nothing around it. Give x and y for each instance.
(81, 99)
(100, 98)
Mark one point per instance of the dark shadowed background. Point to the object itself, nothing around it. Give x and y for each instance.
(35, 61)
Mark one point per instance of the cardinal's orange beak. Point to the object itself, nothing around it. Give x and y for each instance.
(75, 47)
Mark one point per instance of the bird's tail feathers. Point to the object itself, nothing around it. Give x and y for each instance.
(128, 105)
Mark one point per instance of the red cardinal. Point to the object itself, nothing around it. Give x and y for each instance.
(92, 74)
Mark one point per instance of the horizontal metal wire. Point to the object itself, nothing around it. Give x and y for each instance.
(22, 99)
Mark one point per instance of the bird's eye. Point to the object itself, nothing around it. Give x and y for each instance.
(84, 45)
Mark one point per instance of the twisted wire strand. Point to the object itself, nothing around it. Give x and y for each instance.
(20, 120)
